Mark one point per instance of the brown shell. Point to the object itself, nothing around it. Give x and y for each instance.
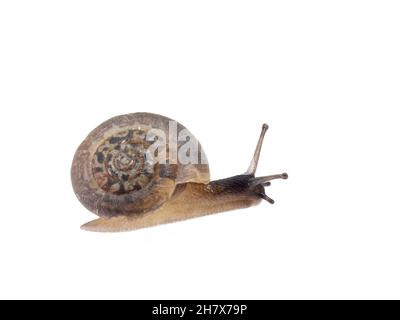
(111, 176)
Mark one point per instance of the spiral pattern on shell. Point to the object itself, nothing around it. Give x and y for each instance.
(111, 174)
(120, 164)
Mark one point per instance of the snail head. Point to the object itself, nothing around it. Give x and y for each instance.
(257, 184)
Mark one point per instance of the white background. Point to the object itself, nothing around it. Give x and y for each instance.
(325, 75)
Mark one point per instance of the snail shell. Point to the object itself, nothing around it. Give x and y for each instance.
(112, 174)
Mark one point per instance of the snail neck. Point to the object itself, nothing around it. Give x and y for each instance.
(196, 199)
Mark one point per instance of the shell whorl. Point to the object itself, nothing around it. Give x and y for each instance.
(112, 175)
(120, 165)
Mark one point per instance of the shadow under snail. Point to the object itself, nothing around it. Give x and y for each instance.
(119, 174)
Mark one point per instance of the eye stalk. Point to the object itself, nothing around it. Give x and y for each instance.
(265, 180)
(254, 162)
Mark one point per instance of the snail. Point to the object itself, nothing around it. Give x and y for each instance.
(142, 169)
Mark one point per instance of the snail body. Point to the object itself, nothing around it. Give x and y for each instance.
(139, 170)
